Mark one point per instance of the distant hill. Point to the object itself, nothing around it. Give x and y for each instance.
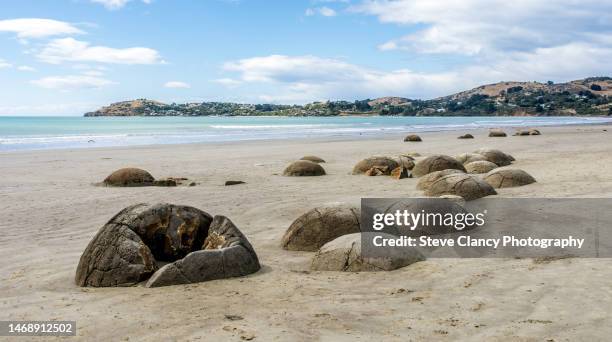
(590, 96)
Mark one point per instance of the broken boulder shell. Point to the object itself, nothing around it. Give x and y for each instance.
(320, 225)
(345, 254)
(126, 250)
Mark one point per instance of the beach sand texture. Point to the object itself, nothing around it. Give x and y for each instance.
(51, 210)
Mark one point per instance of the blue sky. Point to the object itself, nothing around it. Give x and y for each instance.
(67, 57)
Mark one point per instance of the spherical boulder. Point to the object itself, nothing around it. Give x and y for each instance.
(465, 158)
(464, 185)
(304, 168)
(496, 156)
(126, 250)
(432, 208)
(481, 166)
(413, 137)
(129, 176)
(320, 225)
(437, 162)
(345, 253)
(426, 181)
(466, 136)
(368, 163)
(506, 178)
(313, 159)
(497, 133)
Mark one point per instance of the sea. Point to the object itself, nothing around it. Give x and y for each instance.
(70, 132)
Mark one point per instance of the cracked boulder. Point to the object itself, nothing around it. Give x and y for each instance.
(496, 156)
(304, 168)
(127, 249)
(465, 158)
(426, 181)
(346, 254)
(467, 186)
(129, 176)
(481, 166)
(434, 163)
(378, 162)
(320, 225)
(506, 178)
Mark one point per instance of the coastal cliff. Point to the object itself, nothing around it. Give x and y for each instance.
(589, 96)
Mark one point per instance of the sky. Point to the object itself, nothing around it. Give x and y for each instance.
(67, 57)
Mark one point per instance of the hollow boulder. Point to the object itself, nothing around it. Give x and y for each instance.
(129, 176)
(304, 168)
(345, 254)
(320, 225)
(437, 162)
(481, 166)
(368, 163)
(506, 178)
(464, 185)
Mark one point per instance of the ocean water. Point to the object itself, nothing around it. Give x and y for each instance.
(34, 133)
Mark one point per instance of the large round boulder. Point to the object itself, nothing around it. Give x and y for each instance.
(304, 168)
(426, 181)
(413, 137)
(126, 250)
(369, 163)
(437, 162)
(320, 225)
(496, 156)
(313, 159)
(506, 178)
(481, 166)
(345, 254)
(465, 158)
(129, 176)
(467, 186)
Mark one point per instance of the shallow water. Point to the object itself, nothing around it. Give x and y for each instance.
(33, 133)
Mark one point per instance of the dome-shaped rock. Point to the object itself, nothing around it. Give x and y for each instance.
(466, 136)
(413, 137)
(464, 185)
(368, 163)
(129, 176)
(320, 225)
(304, 168)
(481, 166)
(496, 156)
(436, 163)
(465, 158)
(497, 133)
(426, 181)
(506, 178)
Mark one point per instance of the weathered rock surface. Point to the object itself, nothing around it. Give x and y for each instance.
(406, 161)
(465, 158)
(129, 176)
(464, 185)
(495, 156)
(437, 162)
(413, 137)
(378, 171)
(345, 254)
(226, 253)
(466, 136)
(304, 168)
(401, 172)
(368, 163)
(125, 251)
(313, 159)
(426, 181)
(481, 166)
(506, 178)
(497, 133)
(320, 225)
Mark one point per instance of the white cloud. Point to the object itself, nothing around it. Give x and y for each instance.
(477, 27)
(116, 4)
(324, 11)
(71, 82)
(72, 50)
(37, 28)
(26, 68)
(177, 84)
(4, 64)
(228, 82)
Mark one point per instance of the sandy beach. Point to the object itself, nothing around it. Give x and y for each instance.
(51, 210)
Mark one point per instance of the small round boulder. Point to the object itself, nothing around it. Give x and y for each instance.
(413, 137)
(464, 185)
(481, 166)
(129, 176)
(320, 225)
(313, 159)
(497, 133)
(506, 178)
(437, 162)
(368, 163)
(466, 136)
(426, 181)
(496, 156)
(304, 168)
